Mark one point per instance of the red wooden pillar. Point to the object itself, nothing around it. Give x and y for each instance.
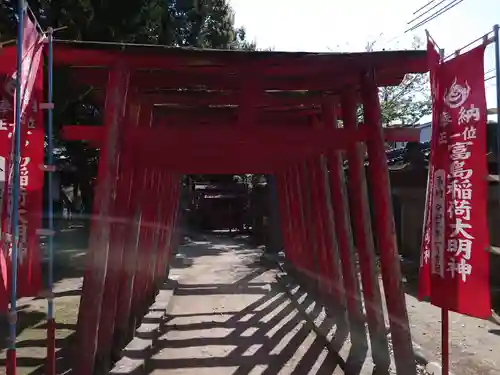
(334, 259)
(292, 243)
(305, 261)
(299, 230)
(172, 208)
(296, 234)
(150, 289)
(141, 250)
(133, 183)
(131, 254)
(295, 230)
(169, 218)
(94, 279)
(289, 208)
(342, 225)
(123, 319)
(163, 213)
(147, 212)
(385, 233)
(147, 245)
(284, 215)
(115, 264)
(360, 213)
(306, 222)
(174, 222)
(155, 240)
(333, 268)
(318, 209)
(147, 206)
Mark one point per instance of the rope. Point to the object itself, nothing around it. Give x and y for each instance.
(35, 20)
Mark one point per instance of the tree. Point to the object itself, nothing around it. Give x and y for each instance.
(408, 102)
(201, 23)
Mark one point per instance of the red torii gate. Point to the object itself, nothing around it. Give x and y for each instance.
(171, 111)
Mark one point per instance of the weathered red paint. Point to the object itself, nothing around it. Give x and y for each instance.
(385, 233)
(258, 131)
(284, 214)
(333, 138)
(156, 193)
(326, 210)
(124, 314)
(298, 230)
(140, 114)
(316, 81)
(115, 265)
(306, 213)
(159, 231)
(94, 280)
(318, 213)
(360, 214)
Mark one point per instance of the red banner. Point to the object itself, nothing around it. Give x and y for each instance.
(454, 270)
(32, 153)
(424, 286)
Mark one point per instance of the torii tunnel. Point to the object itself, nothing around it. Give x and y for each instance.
(169, 112)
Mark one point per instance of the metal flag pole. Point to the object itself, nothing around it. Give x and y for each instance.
(445, 316)
(497, 72)
(51, 338)
(11, 360)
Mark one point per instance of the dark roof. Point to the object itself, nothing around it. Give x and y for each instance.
(216, 57)
(324, 71)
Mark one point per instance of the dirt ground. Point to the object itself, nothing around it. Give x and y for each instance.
(228, 317)
(69, 255)
(474, 342)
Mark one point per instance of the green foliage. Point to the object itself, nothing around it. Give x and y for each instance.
(200, 23)
(184, 23)
(408, 102)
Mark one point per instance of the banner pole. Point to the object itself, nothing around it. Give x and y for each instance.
(51, 337)
(445, 323)
(445, 346)
(11, 355)
(497, 72)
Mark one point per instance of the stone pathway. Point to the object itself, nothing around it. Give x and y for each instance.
(229, 317)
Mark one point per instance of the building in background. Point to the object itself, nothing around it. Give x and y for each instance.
(425, 134)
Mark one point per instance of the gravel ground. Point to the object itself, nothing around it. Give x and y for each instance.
(229, 316)
(31, 340)
(474, 342)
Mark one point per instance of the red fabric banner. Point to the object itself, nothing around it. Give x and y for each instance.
(424, 285)
(454, 270)
(32, 153)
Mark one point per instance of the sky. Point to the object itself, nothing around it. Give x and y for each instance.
(348, 25)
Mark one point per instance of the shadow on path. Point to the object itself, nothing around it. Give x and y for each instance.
(228, 316)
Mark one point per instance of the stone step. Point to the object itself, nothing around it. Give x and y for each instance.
(129, 366)
(138, 348)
